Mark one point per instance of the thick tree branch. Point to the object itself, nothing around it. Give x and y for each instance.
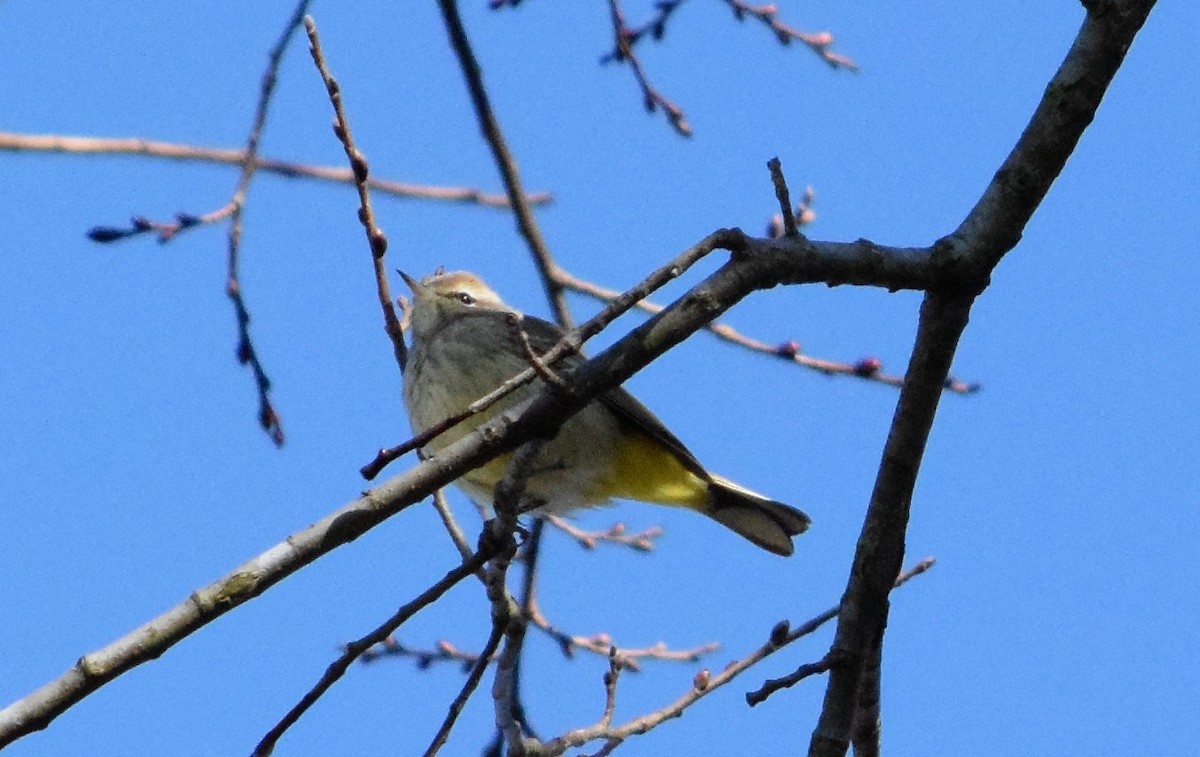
(992, 228)
(995, 224)
(866, 368)
(880, 550)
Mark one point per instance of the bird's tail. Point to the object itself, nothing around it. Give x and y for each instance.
(769, 524)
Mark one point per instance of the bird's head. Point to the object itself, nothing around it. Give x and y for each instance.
(444, 295)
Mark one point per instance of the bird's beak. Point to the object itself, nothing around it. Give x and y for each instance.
(418, 289)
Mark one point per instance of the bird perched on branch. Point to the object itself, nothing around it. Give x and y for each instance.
(466, 342)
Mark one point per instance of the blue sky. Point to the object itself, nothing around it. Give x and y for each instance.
(1061, 501)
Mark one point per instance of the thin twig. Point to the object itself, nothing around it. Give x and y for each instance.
(623, 52)
(642, 541)
(602, 644)
(138, 147)
(366, 215)
(456, 533)
(655, 28)
(627, 37)
(268, 417)
(803, 213)
(615, 665)
(599, 644)
(820, 43)
(785, 636)
(783, 196)
(611, 677)
(468, 688)
(166, 230)
(504, 160)
(703, 684)
(424, 659)
(354, 650)
(807, 670)
(545, 372)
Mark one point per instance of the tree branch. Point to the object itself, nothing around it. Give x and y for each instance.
(504, 159)
(268, 417)
(376, 239)
(992, 228)
(703, 684)
(642, 541)
(354, 650)
(623, 52)
(820, 43)
(866, 368)
(136, 146)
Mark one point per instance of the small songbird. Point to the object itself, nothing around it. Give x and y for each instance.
(464, 345)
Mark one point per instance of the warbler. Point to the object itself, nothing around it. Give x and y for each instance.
(464, 345)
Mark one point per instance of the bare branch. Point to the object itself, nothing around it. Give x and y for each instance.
(545, 372)
(136, 146)
(623, 52)
(468, 688)
(338, 668)
(504, 160)
(991, 229)
(703, 684)
(783, 196)
(642, 541)
(366, 215)
(867, 368)
(626, 38)
(803, 213)
(783, 636)
(268, 417)
(820, 43)
(602, 644)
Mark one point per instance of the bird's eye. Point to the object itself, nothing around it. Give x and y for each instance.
(465, 298)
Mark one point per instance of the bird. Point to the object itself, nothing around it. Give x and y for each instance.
(464, 345)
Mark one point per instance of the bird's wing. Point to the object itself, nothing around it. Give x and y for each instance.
(543, 335)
